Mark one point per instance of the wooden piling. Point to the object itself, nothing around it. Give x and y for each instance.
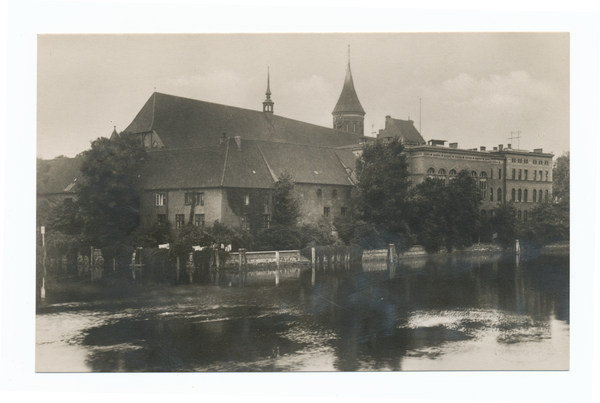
(277, 271)
(313, 257)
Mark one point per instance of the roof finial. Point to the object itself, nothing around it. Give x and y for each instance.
(268, 103)
(268, 93)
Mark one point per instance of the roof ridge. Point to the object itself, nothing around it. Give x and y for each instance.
(298, 144)
(153, 111)
(267, 164)
(252, 110)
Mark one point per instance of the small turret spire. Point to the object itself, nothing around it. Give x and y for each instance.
(268, 103)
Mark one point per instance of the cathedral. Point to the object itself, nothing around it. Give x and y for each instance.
(208, 162)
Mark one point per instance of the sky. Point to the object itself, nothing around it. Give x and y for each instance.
(470, 88)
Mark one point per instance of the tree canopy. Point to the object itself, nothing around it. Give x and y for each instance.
(381, 195)
(109, 193)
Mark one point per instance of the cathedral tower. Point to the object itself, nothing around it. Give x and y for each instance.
(348, 114)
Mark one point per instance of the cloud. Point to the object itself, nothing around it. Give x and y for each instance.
(516, 89)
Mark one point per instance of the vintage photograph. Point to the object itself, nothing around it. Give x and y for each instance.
(303, 202)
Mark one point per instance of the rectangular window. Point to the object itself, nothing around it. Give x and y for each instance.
(526, 161)
(534, 162)
(334, 193)
(514, 173)
(199, 220)
(245, 222)
(344, 211)
(179, 220)
(319, 193)
(540, 175)
(519, 174)
(161, 218)
(196, 197)
(499, 173)
(266, 221)
(491, 173)
(534, 175)
(520, 160)
(326, 211)
(526, 174)
(160, 199)
(546, 176)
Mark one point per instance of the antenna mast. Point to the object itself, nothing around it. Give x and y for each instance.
(512, 137)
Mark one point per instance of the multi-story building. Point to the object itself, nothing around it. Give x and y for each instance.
(208, 162)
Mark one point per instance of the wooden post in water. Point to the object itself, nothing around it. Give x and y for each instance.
(240, 257)
(177, 267)
(517, 247)
(277, 272)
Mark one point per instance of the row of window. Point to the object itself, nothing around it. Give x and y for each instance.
(264, 224)
(538, 196)
(483, 174)
(196, 198)
(180, 220)
(523, 174)
(526, 161)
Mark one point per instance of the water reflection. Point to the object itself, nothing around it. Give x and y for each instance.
(441, 312)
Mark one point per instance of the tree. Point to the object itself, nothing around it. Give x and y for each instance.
(445, 215)
(381, 195)
(109, 192)
(286, 207)
(504, 223)
(561, 178)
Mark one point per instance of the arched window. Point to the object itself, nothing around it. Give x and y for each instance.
(519, 215)
(525, 196)
(513, 194)
(483, 189)
(442, 172)
(540, 196)
(483, 174)
(546, 196)
(431, 171)
(474, 174)
(534, 195)
(500, 195)
(453, 172)
(525, 216)
(519, 197)
(491, 194)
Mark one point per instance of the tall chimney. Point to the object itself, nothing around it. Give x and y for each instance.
(509, 146)
(500, 147)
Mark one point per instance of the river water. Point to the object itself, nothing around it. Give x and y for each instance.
(447, 312)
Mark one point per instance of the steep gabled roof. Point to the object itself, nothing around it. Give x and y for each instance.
(348, 101)
(183, 123)
(59, 176)
(404, 129)
(252, 164)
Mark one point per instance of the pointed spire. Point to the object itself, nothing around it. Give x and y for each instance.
(268, 103)
(348, 101)
(114, 134)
